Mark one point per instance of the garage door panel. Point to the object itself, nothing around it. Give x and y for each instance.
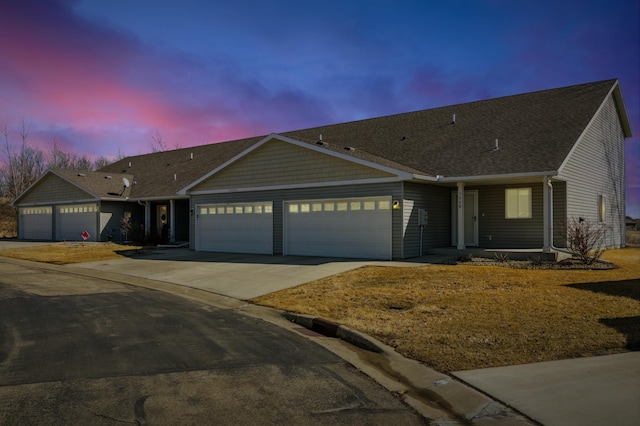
(36, 223)
(73, 220)
(339, 228)
(236, 228)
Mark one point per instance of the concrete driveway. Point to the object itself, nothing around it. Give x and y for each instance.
(241, 276)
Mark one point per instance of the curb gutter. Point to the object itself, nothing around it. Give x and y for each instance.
(420, 386)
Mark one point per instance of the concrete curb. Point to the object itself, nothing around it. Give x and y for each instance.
(420, 386)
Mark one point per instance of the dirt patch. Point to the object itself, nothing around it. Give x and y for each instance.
(459, 317)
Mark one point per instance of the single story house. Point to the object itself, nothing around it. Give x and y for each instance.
(503, 173)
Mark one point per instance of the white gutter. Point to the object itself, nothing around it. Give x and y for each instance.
(159, 198)
(455, 179)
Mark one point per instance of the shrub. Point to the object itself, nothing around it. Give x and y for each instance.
(585, 240)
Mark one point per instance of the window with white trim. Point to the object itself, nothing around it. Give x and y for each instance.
(517, 203)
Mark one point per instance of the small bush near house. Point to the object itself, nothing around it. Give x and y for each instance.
(585, 240)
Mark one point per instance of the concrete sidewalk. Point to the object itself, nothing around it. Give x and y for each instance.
(594, 391)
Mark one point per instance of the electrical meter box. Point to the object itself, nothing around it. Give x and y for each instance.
(423, 217)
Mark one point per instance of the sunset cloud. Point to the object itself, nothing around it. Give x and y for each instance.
(103, 80)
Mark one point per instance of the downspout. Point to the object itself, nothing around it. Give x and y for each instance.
(547, 181)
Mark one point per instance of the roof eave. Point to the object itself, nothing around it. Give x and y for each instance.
(479, 178)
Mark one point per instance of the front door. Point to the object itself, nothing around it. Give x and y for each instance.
(470, 218)
(162, 221)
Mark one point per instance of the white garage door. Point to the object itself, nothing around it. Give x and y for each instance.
(73, 220)
(36, 223)
(354, 227)
(235, 228)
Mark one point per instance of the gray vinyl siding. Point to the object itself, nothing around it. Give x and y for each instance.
(437, 202)
(596, 166)
(282, 163)
(52, 189)
(278, 197)
(110, 216)
(559, 213)
(495, 231)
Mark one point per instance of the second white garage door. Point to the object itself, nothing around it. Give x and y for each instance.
(73, 220)
(354, 227)
(235, 228)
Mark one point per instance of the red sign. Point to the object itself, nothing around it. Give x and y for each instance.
(85, 235)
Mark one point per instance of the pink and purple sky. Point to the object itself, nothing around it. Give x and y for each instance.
(103, 77)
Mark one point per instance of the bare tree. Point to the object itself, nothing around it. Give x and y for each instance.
(22, 166)
(60, 159)
(158, 144)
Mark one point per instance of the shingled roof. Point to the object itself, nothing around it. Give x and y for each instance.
(101, 184)
(535, 133)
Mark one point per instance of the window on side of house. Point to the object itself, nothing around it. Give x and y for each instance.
(517, 203)
(602, 208)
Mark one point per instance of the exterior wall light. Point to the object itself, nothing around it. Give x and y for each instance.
(396, 205)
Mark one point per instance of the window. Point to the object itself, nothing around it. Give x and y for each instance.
(602, 208)
(518, 203)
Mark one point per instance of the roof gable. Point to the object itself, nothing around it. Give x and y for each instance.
(72, 185)
(279, 161)
(51, 187)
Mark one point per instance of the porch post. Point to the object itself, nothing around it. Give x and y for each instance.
(547, 215)
(147, 218)
(460, 206)
(172, 220)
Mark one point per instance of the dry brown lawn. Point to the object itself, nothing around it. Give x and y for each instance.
(633, 238)
(458, 317)
(65, 253)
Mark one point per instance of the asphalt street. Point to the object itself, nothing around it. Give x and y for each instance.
(82, 350)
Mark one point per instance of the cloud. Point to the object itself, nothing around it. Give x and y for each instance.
(64, 71)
